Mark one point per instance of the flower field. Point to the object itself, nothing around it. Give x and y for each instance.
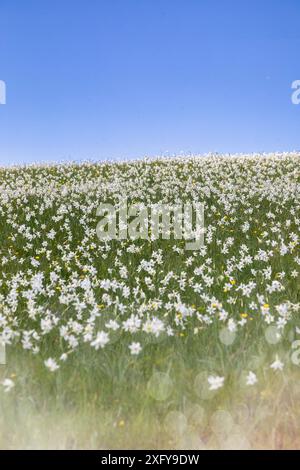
(142, 343)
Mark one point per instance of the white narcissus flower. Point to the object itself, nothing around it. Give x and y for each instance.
(7, 384)
(51, 364)
(64, 357)
(101, 340)
(113, 325)
(277, 364)
(251, 378)
(135, 348)
(215, 382)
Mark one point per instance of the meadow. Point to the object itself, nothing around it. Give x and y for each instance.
(142, 343)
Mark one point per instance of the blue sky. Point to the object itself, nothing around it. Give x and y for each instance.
(97, 79)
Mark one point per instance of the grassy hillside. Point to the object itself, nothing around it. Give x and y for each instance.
(142, 343)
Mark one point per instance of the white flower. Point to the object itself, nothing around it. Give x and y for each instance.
(277, 364)
(101, 340)
(132, 324)
(135, 348)
(215, 382)
(113, 325)
(8, 384)
(154, 326)
(251, 378)
(51, 364)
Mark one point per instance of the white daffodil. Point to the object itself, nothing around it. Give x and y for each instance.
(8, 385)
(277, 364)
(215, 382)
(251, 378)
(51, 364)
(135, 348)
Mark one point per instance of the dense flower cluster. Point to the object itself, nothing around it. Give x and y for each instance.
(58, 282)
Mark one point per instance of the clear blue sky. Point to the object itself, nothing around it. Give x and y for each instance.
(95, 79)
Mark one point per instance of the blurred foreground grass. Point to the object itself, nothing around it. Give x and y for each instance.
(160, 400)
